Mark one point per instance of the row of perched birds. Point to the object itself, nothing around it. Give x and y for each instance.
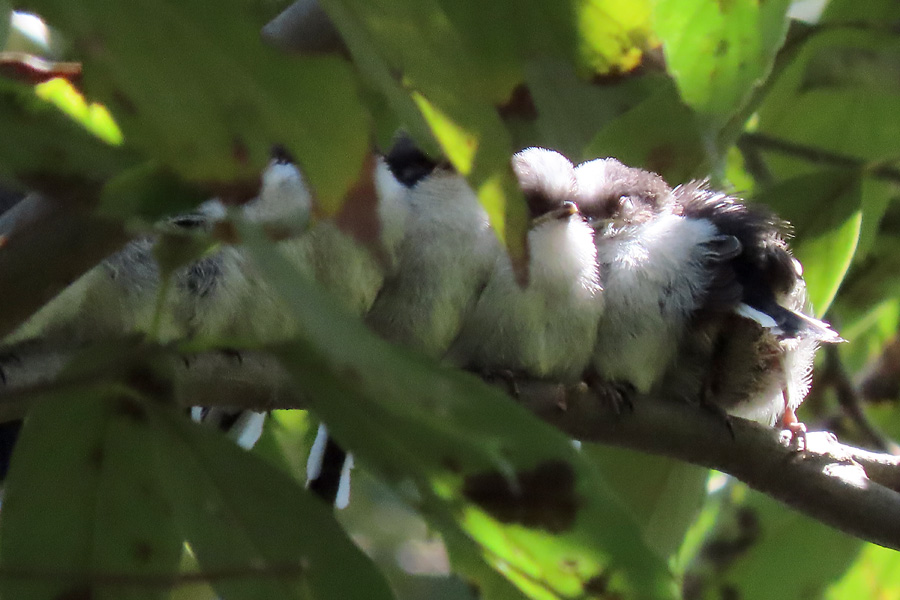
(631, 284)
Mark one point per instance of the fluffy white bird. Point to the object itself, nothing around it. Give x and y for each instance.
(548, 328)
(444, 261)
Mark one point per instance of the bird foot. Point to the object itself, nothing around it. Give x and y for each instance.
(795, 434)
(617, 394)
(502, 376)
(795, 430)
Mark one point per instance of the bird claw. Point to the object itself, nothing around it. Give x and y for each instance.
(795, 434)
(504, 376)
(618, 395)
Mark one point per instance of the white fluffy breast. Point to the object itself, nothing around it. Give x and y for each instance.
(653, 276)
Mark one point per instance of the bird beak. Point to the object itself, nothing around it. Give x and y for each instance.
(558, 214)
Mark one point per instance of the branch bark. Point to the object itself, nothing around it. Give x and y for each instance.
(853, 490)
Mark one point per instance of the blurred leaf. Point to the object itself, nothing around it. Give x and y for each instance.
(571, 111)
(480, 465)
(877, 12)
(242, 515)
(719, 51)
(869, 332)
(5, 22)
(875, 574)
(659, 134)
(93, 117)
(613, 35)
(45, 149)
(286, 440)
(147, 191)
(208, 109)
(825, 210)
(786, 555)
(665, 495)
(81, 500)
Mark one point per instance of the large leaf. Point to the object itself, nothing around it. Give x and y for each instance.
(503, 488)
(197, 90)
(243, 516)
(665, 495)
(659, 134)
(777, 553)
(718, 51)
(82, 513)
(875, 574)
(45, 149)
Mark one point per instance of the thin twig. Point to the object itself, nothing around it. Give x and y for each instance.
(822, 157)
(836, 376)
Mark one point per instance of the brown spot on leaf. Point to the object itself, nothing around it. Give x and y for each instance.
(126, 407)
(96, 457)
(722, 48)
(540, 498)
(451, 464)
(123, 102)
(358, 216)
(82, 592)
(143, 551)
(239, 152)
(520, 105)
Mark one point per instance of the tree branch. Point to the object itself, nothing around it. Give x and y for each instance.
(820, 156)
(850, 489)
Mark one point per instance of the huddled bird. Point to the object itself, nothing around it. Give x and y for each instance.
(704, 300)
(547, 327)
(687, 293)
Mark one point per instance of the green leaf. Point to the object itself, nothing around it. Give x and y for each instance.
(825, 209)
(81, 509)
(243, 516)
(93, 117)
(780, 553)
(208, 109)
(875, 574)
(659, 134)
(478, 466)
(5, 23)
(45, 149)
(665, 495)
(148, 191)
(571, 111)
(719, 51)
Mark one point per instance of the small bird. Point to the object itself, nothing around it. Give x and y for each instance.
(446, 255)
(548, 328)
(653, 265)
(757, 351)
(703, 298)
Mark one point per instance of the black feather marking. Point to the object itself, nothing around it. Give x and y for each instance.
(326, 485)
(764, 268)
(407, 162)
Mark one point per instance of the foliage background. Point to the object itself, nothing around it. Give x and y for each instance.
(798, 114)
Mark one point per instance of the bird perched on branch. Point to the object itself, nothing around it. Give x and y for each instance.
(446, 256)
(703, 298)
(548, 327)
